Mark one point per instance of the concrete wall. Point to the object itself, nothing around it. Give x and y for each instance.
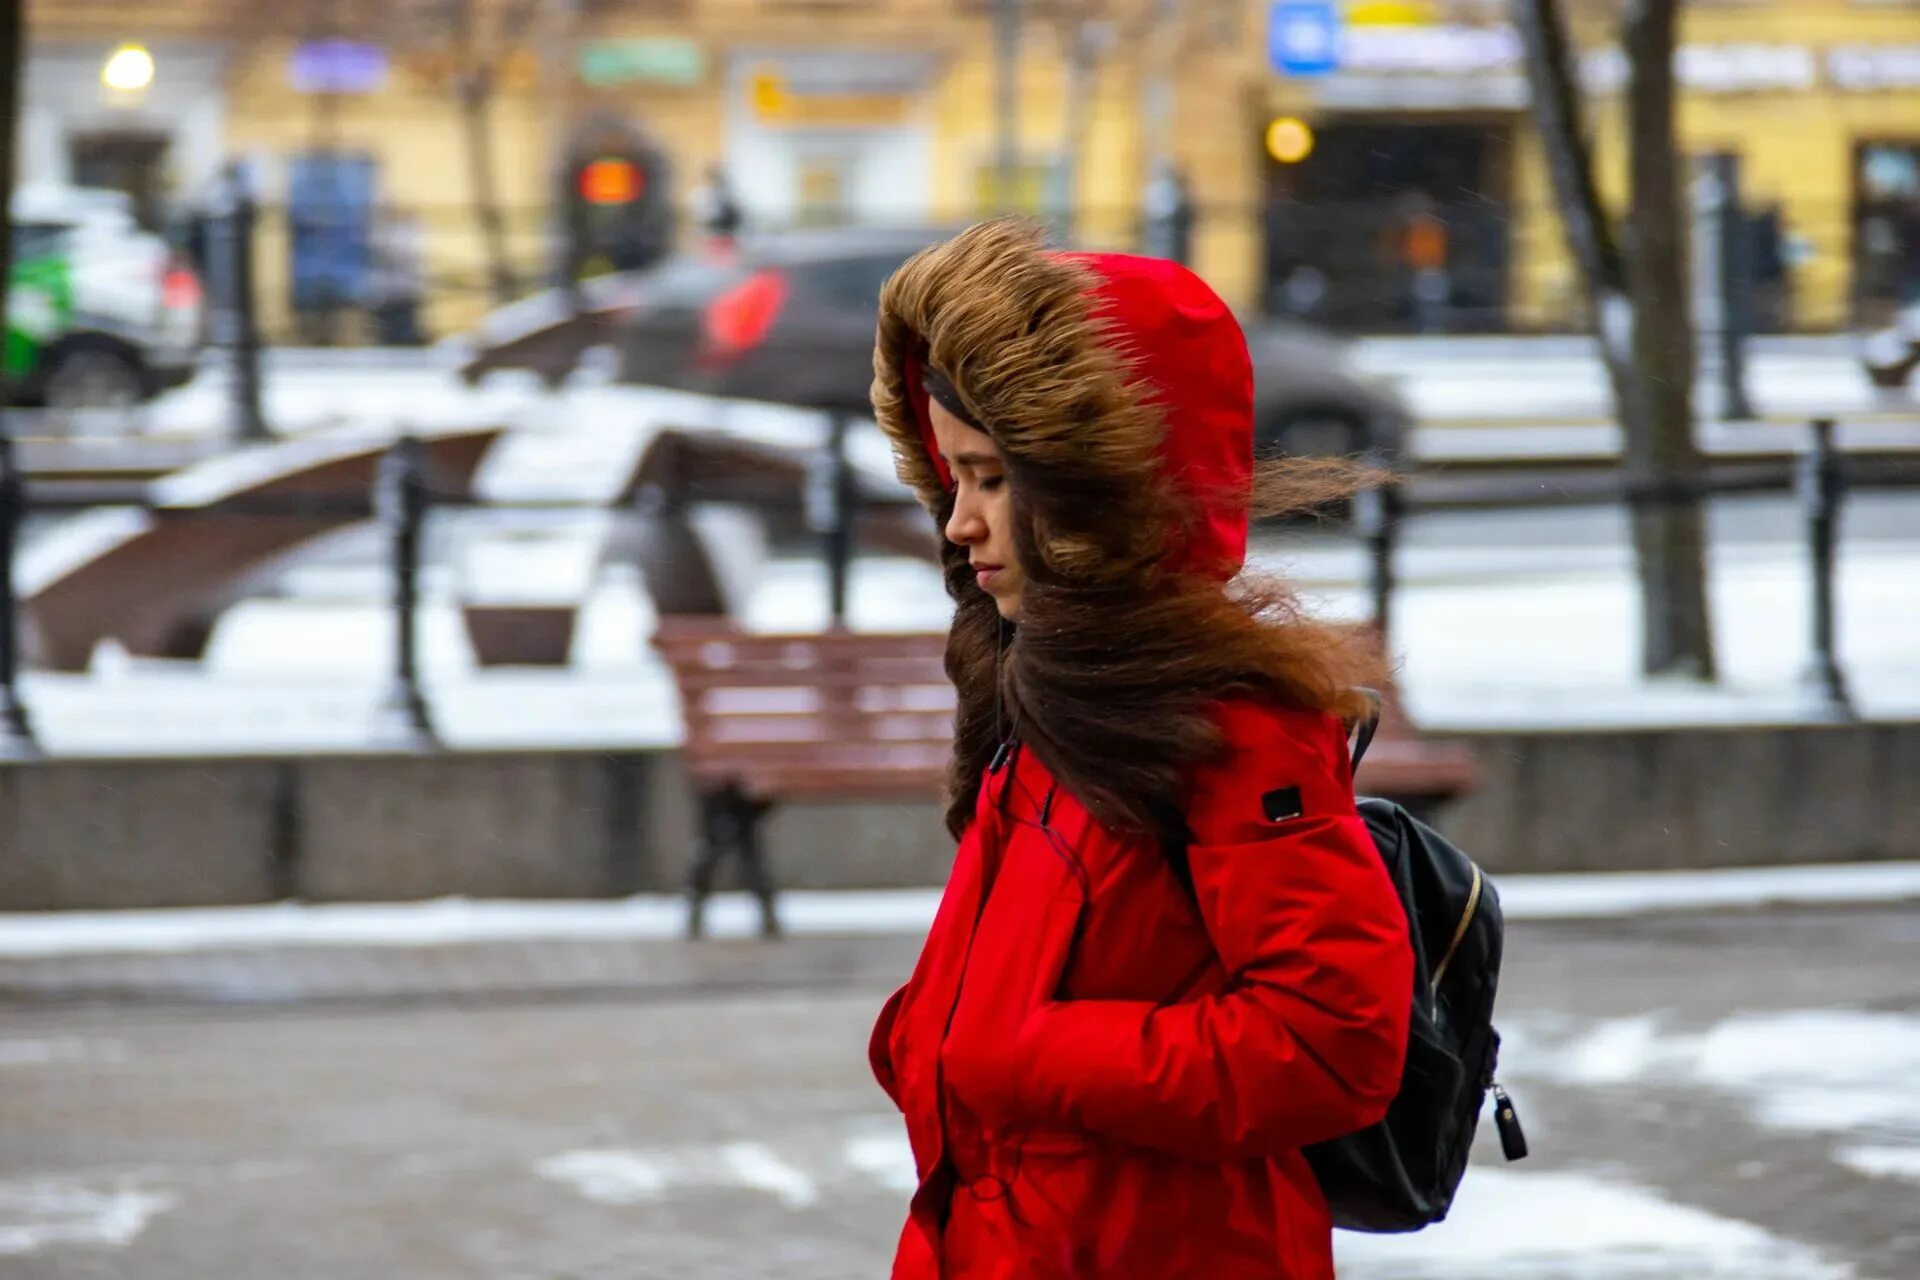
(168, 832)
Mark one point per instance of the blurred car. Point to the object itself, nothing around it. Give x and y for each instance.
(100, 313)
(790, 319)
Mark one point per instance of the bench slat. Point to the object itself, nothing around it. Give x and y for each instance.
(836, 715)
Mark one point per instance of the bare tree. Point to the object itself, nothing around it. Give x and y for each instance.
(476, 38)
(1637, 289)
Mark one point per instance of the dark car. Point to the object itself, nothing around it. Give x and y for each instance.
(791, 319)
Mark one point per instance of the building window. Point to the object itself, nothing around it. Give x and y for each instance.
(1886, 227)
(1039, 189)
(330, 196)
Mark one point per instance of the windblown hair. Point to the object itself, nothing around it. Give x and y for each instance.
(1121, 652)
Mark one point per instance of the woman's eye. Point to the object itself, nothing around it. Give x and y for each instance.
(989, 484)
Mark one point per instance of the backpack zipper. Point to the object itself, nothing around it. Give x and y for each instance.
(1460, 930)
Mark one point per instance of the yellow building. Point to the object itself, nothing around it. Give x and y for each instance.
(1819, 100)
(1422, 173)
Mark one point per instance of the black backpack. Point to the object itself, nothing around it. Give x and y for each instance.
(1400, 1174)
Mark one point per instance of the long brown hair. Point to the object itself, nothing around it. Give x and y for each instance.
(1113, 685)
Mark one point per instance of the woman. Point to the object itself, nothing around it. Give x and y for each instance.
(1168, 956)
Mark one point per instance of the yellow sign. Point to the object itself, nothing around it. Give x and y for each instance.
(1289, 140)
(1389, 13)
(768, 92)
(774, 102)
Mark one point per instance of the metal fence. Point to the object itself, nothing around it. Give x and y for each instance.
(404, 499)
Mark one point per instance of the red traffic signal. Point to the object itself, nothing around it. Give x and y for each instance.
(612, 181)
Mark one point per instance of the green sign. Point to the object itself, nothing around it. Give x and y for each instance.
(643, 61)
(39, 309)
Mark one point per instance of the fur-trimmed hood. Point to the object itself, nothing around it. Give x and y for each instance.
(1120, 372)
(1120, 393)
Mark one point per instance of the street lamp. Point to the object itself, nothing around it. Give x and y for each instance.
(128, 69)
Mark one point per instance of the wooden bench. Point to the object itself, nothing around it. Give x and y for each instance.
(156, 580)
(843, 715)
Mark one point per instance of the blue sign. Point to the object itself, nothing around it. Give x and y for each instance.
(337, 66)
(1303, 37)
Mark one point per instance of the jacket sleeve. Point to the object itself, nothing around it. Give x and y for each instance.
(1308, 1039)
(880, 1046)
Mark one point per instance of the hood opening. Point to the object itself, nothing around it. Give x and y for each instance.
(1126, 371)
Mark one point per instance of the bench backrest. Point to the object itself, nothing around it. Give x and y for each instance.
(764, 707)
(833, 699)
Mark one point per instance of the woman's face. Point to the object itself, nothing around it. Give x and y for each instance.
(982, 508)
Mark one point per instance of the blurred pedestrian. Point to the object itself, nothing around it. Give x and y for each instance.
(396, 284)
(1168, 956)
(1169, 216)
(718, 210)
(1424, 252)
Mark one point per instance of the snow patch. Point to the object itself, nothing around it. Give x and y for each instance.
(1576, 1227)
(885, 1157)
(607, 1177)
(753, 1164)
(39, 1214)
(454, 921)
(59, 1051)
(1823, 1071)
(1902, 1163)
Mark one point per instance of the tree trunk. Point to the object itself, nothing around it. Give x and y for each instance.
(1638, 308)
(1669, 537)
(476, 100)
(1077, 110)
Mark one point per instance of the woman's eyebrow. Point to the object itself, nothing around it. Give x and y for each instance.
(973, 459)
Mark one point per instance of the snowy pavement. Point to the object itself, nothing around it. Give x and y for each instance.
(308, 666)
(1723, 1097)
(454, 922)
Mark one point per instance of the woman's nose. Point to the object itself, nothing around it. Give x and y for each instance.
(965, 527)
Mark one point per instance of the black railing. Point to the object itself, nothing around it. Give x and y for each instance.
(404, 498)
(1821, 477)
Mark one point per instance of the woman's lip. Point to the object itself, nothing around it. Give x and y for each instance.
(983, 572)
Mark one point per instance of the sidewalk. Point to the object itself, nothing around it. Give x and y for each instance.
(456, 949)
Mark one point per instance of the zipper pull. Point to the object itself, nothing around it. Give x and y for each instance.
(1513, 1139)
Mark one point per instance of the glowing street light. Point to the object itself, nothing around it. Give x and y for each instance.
(128, 70)
(1289, 140)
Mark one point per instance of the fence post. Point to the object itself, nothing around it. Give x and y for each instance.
(829, 500)
(1376, 514)
(1822, 486)
(16, 731)
(401, 501)
(243, 319)
(840, 528)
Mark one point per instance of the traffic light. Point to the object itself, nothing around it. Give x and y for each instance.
(618, 210)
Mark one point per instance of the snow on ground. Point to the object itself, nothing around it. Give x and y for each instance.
(1573, 1226)
(1840, 1071)
(1621, 1051)
(1505, 1224)
(42, 1213)
(1902, 1163)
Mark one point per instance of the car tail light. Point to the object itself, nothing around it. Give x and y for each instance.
(179, 288)
(738, 320)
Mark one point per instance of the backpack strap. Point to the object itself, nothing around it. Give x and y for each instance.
(1362, 731)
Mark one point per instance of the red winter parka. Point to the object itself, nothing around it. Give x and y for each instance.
(1104, 1071)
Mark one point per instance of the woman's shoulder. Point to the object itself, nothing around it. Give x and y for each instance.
(1257, 725)
(1276, 762)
